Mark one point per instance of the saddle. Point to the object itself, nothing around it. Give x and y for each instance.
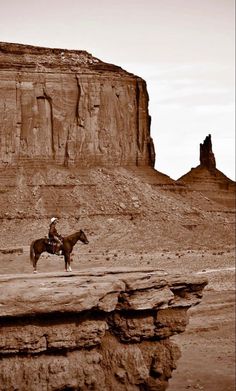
(54, 247)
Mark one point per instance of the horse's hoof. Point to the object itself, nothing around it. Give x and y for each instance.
(35, 271)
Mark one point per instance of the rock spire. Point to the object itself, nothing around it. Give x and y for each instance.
(207, 157)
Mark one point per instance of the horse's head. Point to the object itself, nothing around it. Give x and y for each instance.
(83, 237)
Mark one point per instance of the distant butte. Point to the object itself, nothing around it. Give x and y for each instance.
(208, 180)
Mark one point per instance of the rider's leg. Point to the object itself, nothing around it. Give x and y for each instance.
(58, 244)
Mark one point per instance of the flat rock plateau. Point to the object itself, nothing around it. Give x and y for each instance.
(157, 276)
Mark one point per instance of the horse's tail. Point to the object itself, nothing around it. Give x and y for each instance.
(32, 253)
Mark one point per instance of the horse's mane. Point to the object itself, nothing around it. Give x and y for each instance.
(75, 235)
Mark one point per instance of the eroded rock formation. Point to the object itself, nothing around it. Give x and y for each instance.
(70, 109)
(208, 180)
(99, 330)
(207, 157)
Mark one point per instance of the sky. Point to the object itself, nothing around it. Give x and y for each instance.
(184, 49)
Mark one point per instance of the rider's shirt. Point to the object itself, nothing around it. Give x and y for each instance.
(53, 234)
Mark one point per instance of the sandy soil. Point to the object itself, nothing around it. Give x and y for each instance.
(208, 344)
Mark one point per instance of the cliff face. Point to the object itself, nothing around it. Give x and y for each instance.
(69, 108)
(93, 330)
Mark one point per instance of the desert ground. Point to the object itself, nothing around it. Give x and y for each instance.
(208, 344)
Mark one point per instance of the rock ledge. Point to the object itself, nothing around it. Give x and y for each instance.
(95, 329)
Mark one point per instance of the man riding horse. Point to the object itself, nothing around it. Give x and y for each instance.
(41, 245)
(54, 237)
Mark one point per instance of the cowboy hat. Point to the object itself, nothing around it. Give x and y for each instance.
(53, 219)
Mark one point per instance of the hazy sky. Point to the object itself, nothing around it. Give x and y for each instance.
(184, 49)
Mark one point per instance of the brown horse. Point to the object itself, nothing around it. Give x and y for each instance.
(39, 246)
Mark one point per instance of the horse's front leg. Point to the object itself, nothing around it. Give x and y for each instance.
(67, 263)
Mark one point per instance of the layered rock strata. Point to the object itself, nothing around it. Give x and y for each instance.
(93, 330)
(67, 108)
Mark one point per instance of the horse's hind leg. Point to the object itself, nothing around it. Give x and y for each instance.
(35, 262)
